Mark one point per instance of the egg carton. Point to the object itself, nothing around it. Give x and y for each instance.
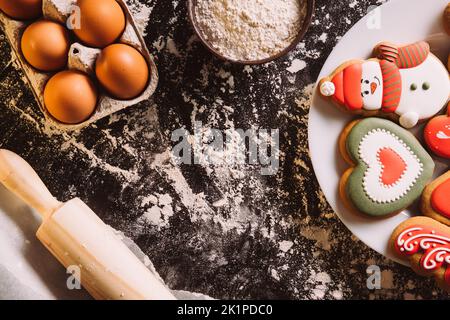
(80, 58)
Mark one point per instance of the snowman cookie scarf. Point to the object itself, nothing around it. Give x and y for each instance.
(408, 83)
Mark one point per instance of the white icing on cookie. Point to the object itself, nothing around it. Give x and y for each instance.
(372, 85)
(435, 246)
(327, 89)
(425, 103)
(409, 120)
(442, 135)
(369, 148)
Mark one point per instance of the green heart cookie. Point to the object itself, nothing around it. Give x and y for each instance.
(391, 167)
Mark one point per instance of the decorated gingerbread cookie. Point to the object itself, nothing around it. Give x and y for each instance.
(448, 63)
(407, 83)
(425, 243)
(437, 135)
(446, 18)
(389, 167)
(436, 199)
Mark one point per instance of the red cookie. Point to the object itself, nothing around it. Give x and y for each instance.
(425, 243)
(437, 135)
(436, 199)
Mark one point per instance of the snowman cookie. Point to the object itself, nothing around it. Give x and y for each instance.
(437, 135)
(389, 167)
(425, 244)
(407, 83)
(436, 199)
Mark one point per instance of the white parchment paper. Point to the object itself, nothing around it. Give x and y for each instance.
(27, 269)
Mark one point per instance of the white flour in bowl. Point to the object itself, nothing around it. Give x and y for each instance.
(248, 30)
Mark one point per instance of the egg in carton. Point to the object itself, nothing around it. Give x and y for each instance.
(80, 58)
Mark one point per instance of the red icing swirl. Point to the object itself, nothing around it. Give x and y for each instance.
(434, 246)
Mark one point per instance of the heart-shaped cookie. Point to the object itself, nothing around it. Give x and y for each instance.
(389, 169)
(437, 135)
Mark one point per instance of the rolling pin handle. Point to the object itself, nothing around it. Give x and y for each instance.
(18, 177)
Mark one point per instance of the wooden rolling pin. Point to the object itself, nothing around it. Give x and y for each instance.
(77, 237)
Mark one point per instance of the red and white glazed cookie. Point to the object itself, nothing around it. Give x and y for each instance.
(406, 83)
(437, 135)
(425, 243)
(436, 199)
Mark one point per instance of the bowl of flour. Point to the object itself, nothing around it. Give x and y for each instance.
(250, 31)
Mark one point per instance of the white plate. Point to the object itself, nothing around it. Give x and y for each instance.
(401, 21)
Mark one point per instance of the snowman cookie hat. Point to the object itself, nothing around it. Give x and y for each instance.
(408, 81)
(347, 86)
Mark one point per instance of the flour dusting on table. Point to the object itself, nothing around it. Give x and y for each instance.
(225, 231)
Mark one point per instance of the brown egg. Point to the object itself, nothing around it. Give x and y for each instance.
(70, 97)
(45, 45)
(122, 71)
(22, 9)
(101, 22)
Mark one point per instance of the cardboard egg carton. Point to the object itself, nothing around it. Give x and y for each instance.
(80, 58)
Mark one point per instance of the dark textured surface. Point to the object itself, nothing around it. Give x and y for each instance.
(271, 237)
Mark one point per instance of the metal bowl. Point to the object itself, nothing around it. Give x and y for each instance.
(306, 23)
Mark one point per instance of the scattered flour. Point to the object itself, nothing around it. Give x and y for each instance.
(285, 246)
(274, 274)
(337, 294)
(321, 281)
(323, 37)
(159, 208)
(172, 47)
(296, 66)
(141, 13)
(353, 4)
